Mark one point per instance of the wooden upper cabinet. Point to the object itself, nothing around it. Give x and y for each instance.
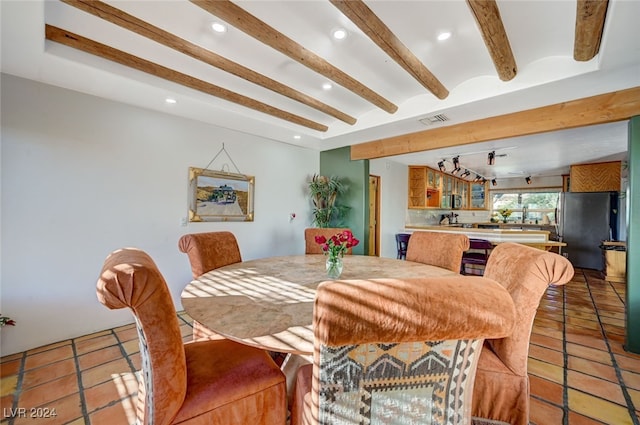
(599, 177)
(417, 186)
(478, 196)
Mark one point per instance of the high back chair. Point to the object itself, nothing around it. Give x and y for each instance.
(438, 249)
(402, 241)
(501, 393)
(212, 381)
(208, 251)
(310, 233)
(477, 255)
(406, 347)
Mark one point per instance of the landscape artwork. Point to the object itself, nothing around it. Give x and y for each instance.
(220, 196)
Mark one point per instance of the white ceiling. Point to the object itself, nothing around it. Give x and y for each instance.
(540, 33)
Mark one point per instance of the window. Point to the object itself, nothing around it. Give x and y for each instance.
(527, 206)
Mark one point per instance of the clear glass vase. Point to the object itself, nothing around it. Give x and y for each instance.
(334, 266)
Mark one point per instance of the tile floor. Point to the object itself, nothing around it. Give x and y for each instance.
(580, 373)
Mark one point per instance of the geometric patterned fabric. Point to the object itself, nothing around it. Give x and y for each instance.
(398, 384)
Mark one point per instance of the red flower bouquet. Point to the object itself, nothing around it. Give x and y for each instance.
(335, 247)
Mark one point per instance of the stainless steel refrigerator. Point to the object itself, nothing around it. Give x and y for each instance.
(585, 220)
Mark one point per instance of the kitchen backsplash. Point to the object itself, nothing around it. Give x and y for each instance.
(418, 217)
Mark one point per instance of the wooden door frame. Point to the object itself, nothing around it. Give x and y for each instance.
(376, 235)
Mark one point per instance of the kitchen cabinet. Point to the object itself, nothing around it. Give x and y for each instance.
(424, 187)
(430, 188)
(417, 186)
(464, 194)
(478, 196)
(600, 177)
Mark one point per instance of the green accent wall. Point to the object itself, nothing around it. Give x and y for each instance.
(633, 239)
(354, 174)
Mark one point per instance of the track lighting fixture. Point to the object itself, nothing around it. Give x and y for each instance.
(494, 182)
(528, 180)
(441, 166)
(456, 165)
(491, 158)
(465, 174)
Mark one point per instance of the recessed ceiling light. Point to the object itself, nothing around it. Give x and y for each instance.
(218, 27)
(443, 36)
(327, 86)
(339, 33)
(170, 100)
(297, 137)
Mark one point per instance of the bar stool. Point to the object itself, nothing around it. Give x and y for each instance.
(476, 257)
(402, 241)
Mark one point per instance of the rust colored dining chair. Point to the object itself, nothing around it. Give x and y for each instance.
(401, 347)
(438, 249)
(211, 381)
(477, 255)
(501, 393)
(402, 241)
(310, 233)
(208, 251)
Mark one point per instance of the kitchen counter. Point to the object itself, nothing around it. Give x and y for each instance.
(493, 235)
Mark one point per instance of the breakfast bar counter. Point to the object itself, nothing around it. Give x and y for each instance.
(537, 238)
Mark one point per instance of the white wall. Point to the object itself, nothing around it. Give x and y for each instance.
(393, 201)
(82, 176)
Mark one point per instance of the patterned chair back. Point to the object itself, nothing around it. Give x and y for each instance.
(401, 351)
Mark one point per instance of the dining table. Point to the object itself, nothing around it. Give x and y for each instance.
(268, 302)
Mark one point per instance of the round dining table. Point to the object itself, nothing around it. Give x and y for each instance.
(268, 303)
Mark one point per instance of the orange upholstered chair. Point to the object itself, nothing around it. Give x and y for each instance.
(210, 250)
(206, 252)
(501, 393)
(310, 245)
(438, 249)
(406, 346)
(212, 381)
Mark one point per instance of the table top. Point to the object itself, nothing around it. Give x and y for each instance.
(268, 303)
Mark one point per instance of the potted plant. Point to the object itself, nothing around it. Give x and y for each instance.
(324, 192)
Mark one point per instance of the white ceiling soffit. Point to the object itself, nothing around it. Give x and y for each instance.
(540, 35)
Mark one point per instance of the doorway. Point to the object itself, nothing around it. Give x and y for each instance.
(374, 216)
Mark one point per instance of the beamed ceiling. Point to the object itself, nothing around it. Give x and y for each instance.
(533, 78)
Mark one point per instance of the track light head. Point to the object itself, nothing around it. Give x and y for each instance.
(528, 180)
(494, 182)
(441, 166)
(465, 174)
(491, 158)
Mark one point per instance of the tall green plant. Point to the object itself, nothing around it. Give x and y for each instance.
(324, 192)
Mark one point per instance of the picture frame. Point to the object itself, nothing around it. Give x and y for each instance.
(220, 196)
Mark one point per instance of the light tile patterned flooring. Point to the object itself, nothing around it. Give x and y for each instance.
(580, 373)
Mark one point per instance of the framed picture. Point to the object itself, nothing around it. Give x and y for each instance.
(220, 196)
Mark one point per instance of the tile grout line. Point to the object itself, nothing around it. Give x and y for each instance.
(16, 394)
(83, 402)
(616, 368)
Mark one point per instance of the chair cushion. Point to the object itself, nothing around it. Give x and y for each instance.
(227, 381)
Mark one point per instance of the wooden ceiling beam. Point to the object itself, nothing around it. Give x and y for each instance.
(360, 14)
(249, 24)
(600, 109)
(86, 45)
(590, 17)
(495, 37)
(130, 22)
